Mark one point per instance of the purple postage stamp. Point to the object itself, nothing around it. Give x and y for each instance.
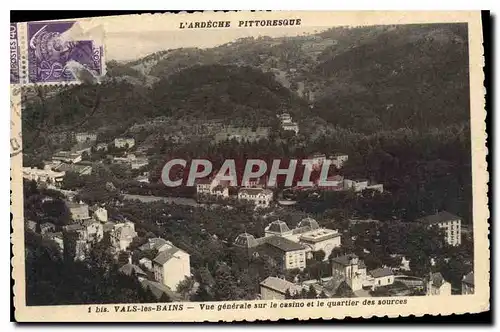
(52, 54)
(14, 55)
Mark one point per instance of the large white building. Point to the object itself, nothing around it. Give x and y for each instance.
(43, 175)
(260, 197)
(171, 265)
(85, 137)
(449, 223)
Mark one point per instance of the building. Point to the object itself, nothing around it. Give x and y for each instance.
(356, 185)
(338, 159)
(78, 211)
(317, 160)
(273, 288)
(94, 230)
(99, 213)
(335, 183)
(171, 265)
(436, 285)
(351, 269)
(468, 283)
(75, 168)
(85, 137)
(43, 175)
(153, 243)
(67, 157)
(147, 263)
(124, 142)
(132, 161)
(449, 223)
(122, 235)
(382, 277)
(221, 191)
(260, 197)
(308, 233)
(286, 253)
(130, 269)
(290, 126)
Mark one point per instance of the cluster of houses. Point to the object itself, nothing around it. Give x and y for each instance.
(290, 248)
(65, 161)
(287, 123)
(168, 267)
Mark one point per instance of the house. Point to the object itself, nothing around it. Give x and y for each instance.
(338, 159)
(122, 235)
(171, 265)
(221, 191)
(436, 285)
(130, 269)
(85, 137)
(317, 160)
(449, 223)
(286, 253)
(75, 168)
(76, 245)
(99, 213)
(468, 283)
(78, 211)
(67, 157)
(273, 288)
(132, 161)
(356, 185)
(43, 175)
(351, 269)
(290, 126)
(124, 142)
(242, 134)
(153, 243)
(382, 277)
(260, 197)
(376, 187)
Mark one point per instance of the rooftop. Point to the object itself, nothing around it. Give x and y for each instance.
(129, 269)
(381, 272)
(277, 226)
(165, 255)
(153, 243)
(309, 222)
(255, 191)
(245, 240)
(439, 217)
(279, 285)
(345, 259)
(283, 244)
(319, 235)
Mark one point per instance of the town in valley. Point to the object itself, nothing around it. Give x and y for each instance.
(394, 220)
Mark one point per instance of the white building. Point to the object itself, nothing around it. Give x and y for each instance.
(273, 288)
(290, 126)
(85, 137)
(436, 285)
(122, 235)
(124, 142)
(260, 197)
(449, 223)
(101, 147)
(317, 160)
(43, 175)
(171, 265)
(381, 277)
(132, 161)
(351, 269)
(100, 213)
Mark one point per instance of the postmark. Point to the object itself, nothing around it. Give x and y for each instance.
(53, 54)
(234, 168)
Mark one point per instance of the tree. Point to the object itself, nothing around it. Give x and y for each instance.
(311, 293)
(184, 288)
(322, 295)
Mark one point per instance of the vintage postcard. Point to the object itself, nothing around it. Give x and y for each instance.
(249, 166)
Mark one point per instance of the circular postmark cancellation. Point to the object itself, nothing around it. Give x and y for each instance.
(15, 121)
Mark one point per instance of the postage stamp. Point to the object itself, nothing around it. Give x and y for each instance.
(249, 166)
(55, 55)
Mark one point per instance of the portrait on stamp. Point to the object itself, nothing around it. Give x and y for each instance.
(247, 167)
